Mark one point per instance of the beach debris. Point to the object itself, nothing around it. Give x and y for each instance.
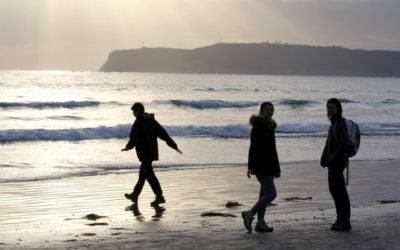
(206, 224)
(118, 233)
(230, 204)
(297, 198)
(2, 244)
(88, 234)
(387, 201)
(88, 217)
(272, 204)
(93, 217)
(217, 214)
(118, 228)
(97, 224)
(72, 240)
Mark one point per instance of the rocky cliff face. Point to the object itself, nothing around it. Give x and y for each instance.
(264, 58)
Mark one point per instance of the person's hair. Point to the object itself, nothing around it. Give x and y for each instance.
(263, 106)
(337, 104)
(138, 107)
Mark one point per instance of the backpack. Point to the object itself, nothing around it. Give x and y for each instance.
(354, 137)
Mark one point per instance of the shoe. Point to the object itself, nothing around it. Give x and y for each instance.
(334, 225)
(341, 226)
(263, 227)
(247, 220)
(131, 197)
(158, 200)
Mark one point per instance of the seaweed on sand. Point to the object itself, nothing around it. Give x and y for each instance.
(230, 204)
(297, 198)
(89, 217)
(88, 234)
(217, 214)
(72, 240)
(97, 224)
(387, 201)
(93, 217)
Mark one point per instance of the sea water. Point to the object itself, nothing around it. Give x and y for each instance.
(66, 124)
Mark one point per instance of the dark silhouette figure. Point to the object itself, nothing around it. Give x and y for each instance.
(143, 136)
(264, 164)
(335, 159)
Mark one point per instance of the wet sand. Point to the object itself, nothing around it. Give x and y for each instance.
(49, 214)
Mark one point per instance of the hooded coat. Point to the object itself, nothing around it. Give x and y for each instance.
(263, 157)
(143, 136)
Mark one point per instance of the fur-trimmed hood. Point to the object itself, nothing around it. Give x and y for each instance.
(269, 123)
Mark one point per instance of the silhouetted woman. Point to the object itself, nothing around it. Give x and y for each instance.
(263, 163)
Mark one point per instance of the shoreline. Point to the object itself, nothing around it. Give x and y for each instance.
(48, 214)
(165, 168)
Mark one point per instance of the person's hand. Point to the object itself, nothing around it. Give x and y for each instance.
(125, 149)
(331, 158)
(177, 150)
(277, 175)
(249, 173)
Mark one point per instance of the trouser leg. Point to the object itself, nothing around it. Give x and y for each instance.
(337, 187)
(335, 197)
(152, 179)
(140, 183)
(267, 195)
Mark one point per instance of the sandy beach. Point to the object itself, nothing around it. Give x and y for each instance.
(50, 214)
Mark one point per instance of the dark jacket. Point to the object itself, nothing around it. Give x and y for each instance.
(263, 157)
(144, 133)
(335, 147)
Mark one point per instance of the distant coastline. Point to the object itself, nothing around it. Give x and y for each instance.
(259, 59)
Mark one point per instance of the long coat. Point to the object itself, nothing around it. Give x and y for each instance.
(143, 136)
(263, 157)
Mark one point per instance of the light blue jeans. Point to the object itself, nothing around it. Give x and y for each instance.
(267, 195)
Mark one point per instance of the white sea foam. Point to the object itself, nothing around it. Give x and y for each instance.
(209, 104)
(287, 130)
(41, 105)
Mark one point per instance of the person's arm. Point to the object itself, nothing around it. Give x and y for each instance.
(277, 173)
(132, 138)
(255, 139)
(163, 135)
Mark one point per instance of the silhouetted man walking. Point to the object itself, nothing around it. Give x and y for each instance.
(143, 136)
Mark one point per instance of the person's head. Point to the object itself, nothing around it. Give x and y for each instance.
(137, 109)
(267, 110)
(334, 108)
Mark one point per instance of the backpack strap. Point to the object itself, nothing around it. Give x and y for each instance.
(334, 131)
(328, 144)
(347, 171)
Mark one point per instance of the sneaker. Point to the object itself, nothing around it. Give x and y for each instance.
(334, 225)
(158, 200)
(263, 227)
(247, 220)
(341, 226)
(131, 197)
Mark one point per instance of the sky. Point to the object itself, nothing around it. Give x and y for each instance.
(79, 35)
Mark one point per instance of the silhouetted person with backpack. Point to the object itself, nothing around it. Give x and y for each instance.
(335, 159)
(143, 136)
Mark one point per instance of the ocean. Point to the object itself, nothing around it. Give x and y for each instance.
(66, 124)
